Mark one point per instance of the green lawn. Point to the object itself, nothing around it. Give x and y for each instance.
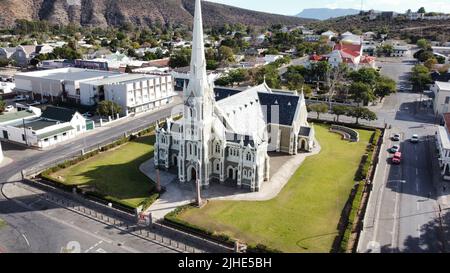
(305, 215)
(115, 172)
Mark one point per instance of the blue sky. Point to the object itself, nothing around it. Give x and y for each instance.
(292, 7)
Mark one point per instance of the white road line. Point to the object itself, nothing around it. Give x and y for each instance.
(26, 240)
(417, 171)
(394, 228)
(417, 185)
(94, 246)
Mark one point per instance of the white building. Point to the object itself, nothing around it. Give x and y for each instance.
(225, 134)
(135, 93)
(441, 97)
(399, 51)
(443, 146)
(53, 126)
(329, 34)
(57, 84)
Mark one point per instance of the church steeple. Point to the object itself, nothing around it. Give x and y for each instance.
(198, 82)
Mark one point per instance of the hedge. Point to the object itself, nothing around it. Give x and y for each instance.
(46, 175)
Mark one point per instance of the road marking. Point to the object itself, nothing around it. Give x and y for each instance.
(417, 185)
(394, 228)
(94, 246)
(417, 171)
(26, 240)
(419, 232)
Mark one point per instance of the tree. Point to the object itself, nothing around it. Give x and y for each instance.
(180, 58)
(365, 75)
(294, 81)
(420, 77)
(226, 54)
(362, 113)
(361, 93)
(384, 87)
(339, 110)
(2, 106)
(128, 69)
(423, 44)
(319, 108)
(430, 63)
(422, 10)
(108, 108)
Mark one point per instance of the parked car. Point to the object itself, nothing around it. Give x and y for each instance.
(397, 159)
(396, 137)
(9, 108)
(415, 139)
(395, 149)
(88, 115)
(20, 98)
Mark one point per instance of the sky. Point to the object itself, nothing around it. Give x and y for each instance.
(293, 7)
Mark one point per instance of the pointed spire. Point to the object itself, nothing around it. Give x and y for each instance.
(198, 60)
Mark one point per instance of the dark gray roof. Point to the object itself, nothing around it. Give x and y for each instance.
(38, 124)
(438, 77)
(236, 138)
(305, 131)
(58, 113)
(224, 92)
(281, 108)
(282, 105)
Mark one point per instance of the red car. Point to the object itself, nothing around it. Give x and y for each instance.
(397, 159)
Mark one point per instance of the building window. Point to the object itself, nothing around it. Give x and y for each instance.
(217, 148)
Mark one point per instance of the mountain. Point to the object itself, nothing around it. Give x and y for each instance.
(324, 13)
(103, 13)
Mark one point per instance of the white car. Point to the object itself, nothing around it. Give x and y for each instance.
(415, 139)
(9, 108)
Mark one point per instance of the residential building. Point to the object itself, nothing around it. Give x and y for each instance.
(6, 53)
(399, 51)
(443, 146)
(352, 55)
(225, 134)
(135, 93)
(415, 16)
(441, 97)
(53, 126)
(329, 34)
(312, 38)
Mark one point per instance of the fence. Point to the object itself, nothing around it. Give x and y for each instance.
(121, 224)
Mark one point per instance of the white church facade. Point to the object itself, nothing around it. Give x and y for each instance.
(225, 134)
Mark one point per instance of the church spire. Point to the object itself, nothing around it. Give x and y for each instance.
(198, 78)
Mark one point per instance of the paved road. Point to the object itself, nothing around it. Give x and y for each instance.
(403, 212)
(39, 229)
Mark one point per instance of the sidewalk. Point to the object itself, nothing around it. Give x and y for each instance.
(177, 195)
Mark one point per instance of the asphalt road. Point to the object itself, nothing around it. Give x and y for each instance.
(43, 228)
(402, 214)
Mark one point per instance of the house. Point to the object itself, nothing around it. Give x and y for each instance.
(52, 126)
(6, 87)
(399, 51)
(413, 16)
(350, 54)
(329, 34)
(135, 93)
(24, 54)
(260, 39)
(6, 53)
(225, 134)
(312, 38)
(388, 15)
(369, 35)
(441, 101)
(443, 146)
(272, 58)
(346, 34)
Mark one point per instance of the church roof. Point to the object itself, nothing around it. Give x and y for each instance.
(281, 108)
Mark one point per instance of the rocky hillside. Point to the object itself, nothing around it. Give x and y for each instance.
(105, 13)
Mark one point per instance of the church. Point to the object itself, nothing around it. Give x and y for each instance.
(225, 134)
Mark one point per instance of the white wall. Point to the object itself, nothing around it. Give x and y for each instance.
(1, 153)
